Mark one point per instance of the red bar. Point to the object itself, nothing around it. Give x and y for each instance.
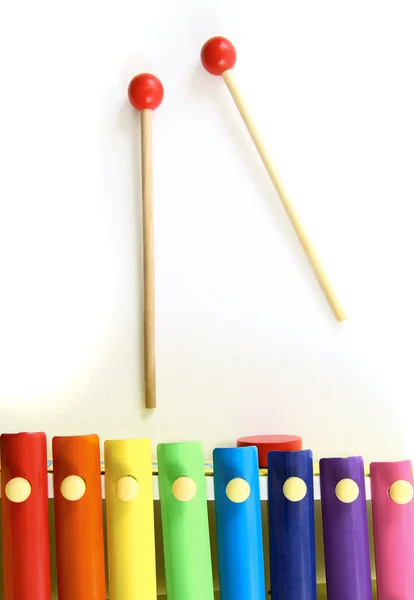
(79, 520)
(25, 523)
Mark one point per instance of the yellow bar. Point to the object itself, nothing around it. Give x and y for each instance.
(130, 520)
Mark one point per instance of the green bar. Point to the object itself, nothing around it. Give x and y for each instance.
(185, 530)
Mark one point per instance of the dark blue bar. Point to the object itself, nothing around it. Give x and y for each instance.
(291, 528)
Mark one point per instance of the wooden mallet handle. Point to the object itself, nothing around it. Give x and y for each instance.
(145, 93)
(218, 57)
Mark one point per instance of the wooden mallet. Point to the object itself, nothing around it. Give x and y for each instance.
(218, 57)
(145, 92)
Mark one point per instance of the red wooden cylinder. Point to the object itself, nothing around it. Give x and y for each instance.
(78, 517)
(25, 523)
(269, 443)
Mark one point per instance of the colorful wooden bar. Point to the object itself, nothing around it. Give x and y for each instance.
(345, 529)
(291, 526)
(78, 518)
(393, 524)
(239, 524)
(185, 529)
(25, 524)
(130, 520)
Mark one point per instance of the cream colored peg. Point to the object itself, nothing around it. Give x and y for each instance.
(401, 492)
(238, 490)
(127, 488)
(18, 490)
(347, 490)
(184, 489)
(73, 488)
(294, 489)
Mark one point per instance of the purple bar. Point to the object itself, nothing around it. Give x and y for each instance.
(345, 532)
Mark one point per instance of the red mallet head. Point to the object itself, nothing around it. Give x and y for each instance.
(145, 91)
(218, 55)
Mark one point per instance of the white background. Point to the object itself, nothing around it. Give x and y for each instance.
(246, 342)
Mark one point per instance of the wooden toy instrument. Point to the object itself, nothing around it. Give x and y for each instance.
(129, 488)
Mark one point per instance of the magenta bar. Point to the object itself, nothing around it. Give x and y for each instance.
(393, 521)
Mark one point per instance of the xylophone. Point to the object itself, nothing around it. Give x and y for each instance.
(131, 549)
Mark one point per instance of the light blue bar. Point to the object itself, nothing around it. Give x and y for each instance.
(239, 526)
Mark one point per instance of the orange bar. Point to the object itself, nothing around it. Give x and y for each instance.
(78, 517)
